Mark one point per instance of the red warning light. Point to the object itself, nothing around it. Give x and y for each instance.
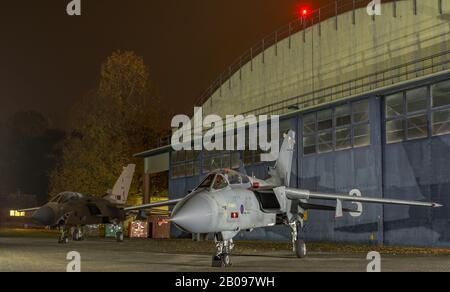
(303, 11)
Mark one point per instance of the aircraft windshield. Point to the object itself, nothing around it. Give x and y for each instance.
(66, 197)
(235, 178)
(206, 183)
(221, 179)
(220, 182)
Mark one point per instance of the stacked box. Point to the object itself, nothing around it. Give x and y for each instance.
(160, 227)
(138, 229)
(111, 229)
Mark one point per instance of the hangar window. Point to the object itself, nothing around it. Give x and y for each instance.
(309, 134)
(340, 128)
(361, 134)
(324, 120)
(309, 145)
(417, 127)
(394, 105)
(189, 169)
(206, 168)
(178, 171)
(406, 115)
(343, 139)
(440, 116)
(395, 131)
(441, 94)
(185, 163)
(251, 157)
(361, 111)
(416, 99)
(325, 142)
(212, 160)
(324, 126)
(343, 115)
(441, 122)
(309, 124)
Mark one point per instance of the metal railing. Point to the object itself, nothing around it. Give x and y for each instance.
(285, 32)
(391, 76)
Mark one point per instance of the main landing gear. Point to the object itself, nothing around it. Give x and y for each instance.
(118, 232)
(221, 259)
(298, 245)
(63, 236)
(77, 234)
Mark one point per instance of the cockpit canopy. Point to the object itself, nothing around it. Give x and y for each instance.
(223, 178)
(66, 197)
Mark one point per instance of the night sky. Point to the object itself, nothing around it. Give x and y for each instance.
(48, 59)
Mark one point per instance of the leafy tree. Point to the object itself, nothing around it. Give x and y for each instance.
(109, 125)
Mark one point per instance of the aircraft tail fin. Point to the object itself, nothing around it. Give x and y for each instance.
(280, 174)
(119, 193)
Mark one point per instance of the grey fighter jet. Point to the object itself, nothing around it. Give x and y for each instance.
(227, 202)
(71, 211)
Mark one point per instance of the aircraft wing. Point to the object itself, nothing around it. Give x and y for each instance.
(29, 209)
(296, 194)
(152, 205)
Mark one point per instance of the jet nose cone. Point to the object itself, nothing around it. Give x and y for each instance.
(196, 215)
(44, 216)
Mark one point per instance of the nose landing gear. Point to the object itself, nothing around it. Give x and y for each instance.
(223, 249)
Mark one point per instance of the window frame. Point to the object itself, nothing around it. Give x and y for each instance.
(436, 109)
(176, 164)
(351, 126)
(406, 116)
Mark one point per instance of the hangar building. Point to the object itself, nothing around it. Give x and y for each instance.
(369, 98)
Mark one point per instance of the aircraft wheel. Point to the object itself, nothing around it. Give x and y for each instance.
(221, 261)
(217, 261)
(119, 236)
(76, 236)
(63, 240)
(300, 248)
(226, 260)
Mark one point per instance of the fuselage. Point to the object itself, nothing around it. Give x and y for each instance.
(228, 206)
(73, 209)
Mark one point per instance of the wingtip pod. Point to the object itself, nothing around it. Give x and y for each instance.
(434, 205)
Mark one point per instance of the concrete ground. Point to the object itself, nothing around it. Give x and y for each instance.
(43, 253)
